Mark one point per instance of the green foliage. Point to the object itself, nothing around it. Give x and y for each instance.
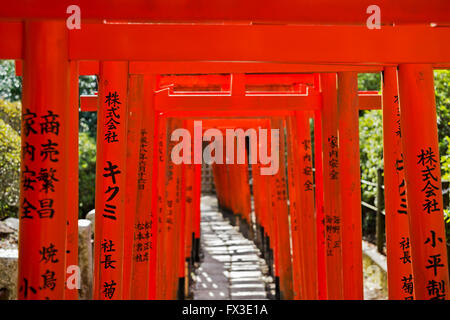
(369, 81)
(445, 165)
(10, 119)
(87, 153)
(9, 158)
(447, 223)
(87, 149)
(88, 120)
(371, 153)
(88, 123)
(445, 161)
(11, 114)
(88, 85)
(371, 136)
(371, 150)
(10, 85)
(442, 89)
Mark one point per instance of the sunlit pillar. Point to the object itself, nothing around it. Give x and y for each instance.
(73, 280)
(320, 215)
(350, 185)
(283, 263)
(110, 180)
(399, 262)
(423, 181)
(306, 205)
(47, 134)
(134, 114)
(331, 188)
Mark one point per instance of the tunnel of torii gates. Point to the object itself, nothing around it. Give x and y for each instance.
(272, 68)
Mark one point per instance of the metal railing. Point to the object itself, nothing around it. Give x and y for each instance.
(379, 206)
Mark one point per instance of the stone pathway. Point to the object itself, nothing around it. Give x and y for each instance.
(232, 267)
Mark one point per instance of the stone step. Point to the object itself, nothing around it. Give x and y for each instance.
(232, 267)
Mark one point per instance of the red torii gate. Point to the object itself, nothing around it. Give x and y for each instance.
(50, 52)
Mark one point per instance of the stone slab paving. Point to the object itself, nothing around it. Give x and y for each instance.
(232, 267)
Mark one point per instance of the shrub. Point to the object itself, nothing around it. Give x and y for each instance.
(9, 157)
(10, 85)
(87, 153)
(371, 141)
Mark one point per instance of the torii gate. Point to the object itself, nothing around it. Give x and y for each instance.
(51, 53)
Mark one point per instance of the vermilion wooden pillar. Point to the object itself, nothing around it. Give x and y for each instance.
(237, 203)
(237, 187)
(224, 182)
(423, 181)
(178, 220)
(225, 185)
(141, 94)
(110, 181)
(306, 199)
(273, 233)
(264, 201)
(182, 236)
(256, 191)
(173, 236)
(191, 208)
(47, 133)
(266, 186)
(399, 262)
(155, 176)
(197, 199)
(132, 228)
(231, 182)
(350, 185)
(242, 194)
(189, 215)
(331, 188)
(320, 214)
(245, 205)
(246, 197)
(294, 210)
(160, 254)
(189, 218)
(72, 206)
(260, 203)
(272, 217)
(280, 214)
(170, 245)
